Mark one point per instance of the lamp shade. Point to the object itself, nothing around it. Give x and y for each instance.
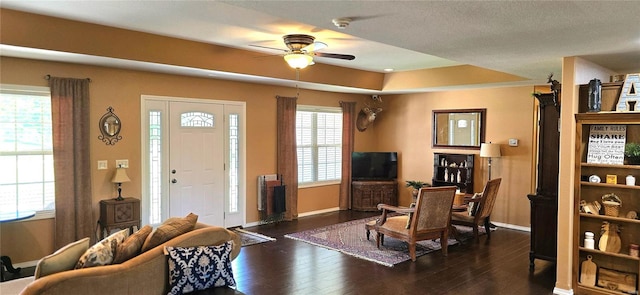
(120, 176)
(298, 60)
(490, 150)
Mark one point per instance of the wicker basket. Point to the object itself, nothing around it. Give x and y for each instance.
(611, 204)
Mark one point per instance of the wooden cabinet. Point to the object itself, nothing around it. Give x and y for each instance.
(118, 214)
(544, 203)
(587, 191)
(453, 169)
(366, 195)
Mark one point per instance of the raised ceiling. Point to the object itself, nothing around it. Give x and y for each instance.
(523, 38)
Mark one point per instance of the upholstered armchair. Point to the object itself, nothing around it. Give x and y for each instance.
(429, 219)
(479, 212)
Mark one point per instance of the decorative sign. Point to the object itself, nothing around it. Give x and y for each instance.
(630, 94)
(606, 144)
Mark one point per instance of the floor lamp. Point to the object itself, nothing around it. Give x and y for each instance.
(490, 150)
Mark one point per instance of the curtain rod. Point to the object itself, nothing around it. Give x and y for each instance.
(47, 77)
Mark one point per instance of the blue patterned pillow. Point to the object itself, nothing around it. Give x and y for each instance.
(199, 268)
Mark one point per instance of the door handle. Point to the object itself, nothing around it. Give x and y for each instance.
(173, 171)
(174, 180)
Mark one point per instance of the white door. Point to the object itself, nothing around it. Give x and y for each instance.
(196, 161)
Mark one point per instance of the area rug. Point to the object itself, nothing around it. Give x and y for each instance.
(350, 238)
(251, 238)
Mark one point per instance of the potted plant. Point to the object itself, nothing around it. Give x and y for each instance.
(415, 186)
(632, 153)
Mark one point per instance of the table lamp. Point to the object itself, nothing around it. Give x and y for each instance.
(490, 150)
(120, 177)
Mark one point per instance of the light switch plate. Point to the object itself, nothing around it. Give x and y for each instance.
(102, 165)
(513, 142)
(122, 163)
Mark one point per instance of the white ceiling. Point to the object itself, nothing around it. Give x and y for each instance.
(524, 38)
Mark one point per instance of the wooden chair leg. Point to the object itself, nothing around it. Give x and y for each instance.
(444, 241)
(476, 233)
(368, 233)
(378, 238)
(487, 227)
(454, 232)
(412, 251)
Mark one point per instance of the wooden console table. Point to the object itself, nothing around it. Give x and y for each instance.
(118, 214)
(366, 195)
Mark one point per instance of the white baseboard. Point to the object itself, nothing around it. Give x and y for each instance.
(558, 291)
(319, 212)
(512, 226)
(256, 223)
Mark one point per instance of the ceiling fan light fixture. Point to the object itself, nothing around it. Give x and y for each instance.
(298, 60)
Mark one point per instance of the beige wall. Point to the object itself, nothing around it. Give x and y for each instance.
(121, 89)
(406, 126)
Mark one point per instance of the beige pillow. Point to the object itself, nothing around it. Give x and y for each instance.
(132, 245)
(170, 229)
(63, 259)
(102, 253)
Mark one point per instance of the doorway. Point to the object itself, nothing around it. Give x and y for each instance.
(193, 160)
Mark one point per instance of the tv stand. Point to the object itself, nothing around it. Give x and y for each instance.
(367, 194)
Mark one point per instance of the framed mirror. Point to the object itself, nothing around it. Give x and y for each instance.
(461, 129)
(109, 126)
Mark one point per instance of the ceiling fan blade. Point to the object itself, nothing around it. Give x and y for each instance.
(335, 55)
(315, 46)
(260, 46)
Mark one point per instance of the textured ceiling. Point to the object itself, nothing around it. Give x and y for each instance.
(524, 38)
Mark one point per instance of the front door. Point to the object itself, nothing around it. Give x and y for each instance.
(196, 161)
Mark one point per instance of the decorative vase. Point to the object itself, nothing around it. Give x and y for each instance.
(595, 99)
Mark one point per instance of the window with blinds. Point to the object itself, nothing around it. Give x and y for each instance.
(26, 150)
(319, 144)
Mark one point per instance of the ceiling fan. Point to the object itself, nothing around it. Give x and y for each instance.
(302, 48)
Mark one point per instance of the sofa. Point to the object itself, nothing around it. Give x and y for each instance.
(146, 273)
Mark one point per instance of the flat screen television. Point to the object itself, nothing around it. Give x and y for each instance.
(374, 165)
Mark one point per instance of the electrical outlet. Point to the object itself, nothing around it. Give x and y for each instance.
(102, 165)
(122, 163)
(513, 142)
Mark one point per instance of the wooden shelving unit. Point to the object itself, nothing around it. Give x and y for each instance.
(447, 167)
(620, 261)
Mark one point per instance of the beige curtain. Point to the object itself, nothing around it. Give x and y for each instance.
(348, 133)
(287, 153)
(72, 166)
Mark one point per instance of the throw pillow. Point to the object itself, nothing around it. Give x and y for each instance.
(409, 216)
(473, 206)
(63, 259)
(102, 253)
(170, 229)
(132, 245)
(199, 268)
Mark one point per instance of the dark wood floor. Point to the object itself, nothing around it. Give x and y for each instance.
(286, 266)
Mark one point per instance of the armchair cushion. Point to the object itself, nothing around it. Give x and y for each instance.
(63, 259)
(199, 268)
(103, 252)
(461, 216)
